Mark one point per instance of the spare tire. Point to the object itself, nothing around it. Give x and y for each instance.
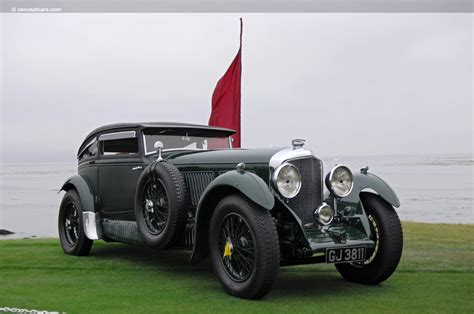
(160, 205)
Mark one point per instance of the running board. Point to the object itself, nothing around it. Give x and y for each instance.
(122, 231)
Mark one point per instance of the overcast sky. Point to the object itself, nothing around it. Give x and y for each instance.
(351, 84)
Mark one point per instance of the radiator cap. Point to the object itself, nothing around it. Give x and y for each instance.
(297, 143)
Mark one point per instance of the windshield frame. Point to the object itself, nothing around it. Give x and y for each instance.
(147, 153)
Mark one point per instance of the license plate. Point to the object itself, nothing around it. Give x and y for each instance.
(346, 255)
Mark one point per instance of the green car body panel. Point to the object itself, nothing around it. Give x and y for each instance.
(78, 183)
(363, 181)
(247, 183)
(107, 186)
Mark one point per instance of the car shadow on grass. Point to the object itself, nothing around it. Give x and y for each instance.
(305, 281)
(147, 258)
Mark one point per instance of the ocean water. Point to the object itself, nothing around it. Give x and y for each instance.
(433, 189)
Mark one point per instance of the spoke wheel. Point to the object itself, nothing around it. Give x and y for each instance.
(386, 232)
(71, 224)
(155, 206)
(237, 245)
(244, 247)
(161, 209)
(375, 236)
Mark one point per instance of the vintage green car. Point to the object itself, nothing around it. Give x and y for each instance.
(251, 211)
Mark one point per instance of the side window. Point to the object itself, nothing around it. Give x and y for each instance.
(90, 151)
(119, 143)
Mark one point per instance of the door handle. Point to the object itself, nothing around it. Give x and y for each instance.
(137, 168)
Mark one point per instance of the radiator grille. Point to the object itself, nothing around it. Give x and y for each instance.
(197, 183)
(310, 195)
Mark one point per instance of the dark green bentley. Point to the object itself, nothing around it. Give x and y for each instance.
(251, 211)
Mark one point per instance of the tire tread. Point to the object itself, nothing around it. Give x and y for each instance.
(388, 256)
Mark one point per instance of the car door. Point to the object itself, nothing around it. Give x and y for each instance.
(119, 166)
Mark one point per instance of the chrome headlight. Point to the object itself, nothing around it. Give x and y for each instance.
(287, 180)
(324, 214)
(340, 181)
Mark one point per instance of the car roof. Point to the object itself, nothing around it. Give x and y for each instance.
(148, 125)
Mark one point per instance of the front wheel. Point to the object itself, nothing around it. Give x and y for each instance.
(387, 234)
(244, 247)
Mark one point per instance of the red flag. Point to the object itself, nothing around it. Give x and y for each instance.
(226, 97)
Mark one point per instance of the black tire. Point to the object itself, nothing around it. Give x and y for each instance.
(71, 227)
(387, 232)
(162, 221)
(254, 279)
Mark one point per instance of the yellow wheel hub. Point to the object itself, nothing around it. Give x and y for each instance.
(228, 248)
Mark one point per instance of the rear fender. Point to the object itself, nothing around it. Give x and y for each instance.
(92, 225)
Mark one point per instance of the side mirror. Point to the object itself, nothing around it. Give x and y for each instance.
(159, 147)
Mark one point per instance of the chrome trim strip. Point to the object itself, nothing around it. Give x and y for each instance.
(144, 146)
(92, 227)
(323, 180)
(117, 135)
(286, 154)
(175, 149)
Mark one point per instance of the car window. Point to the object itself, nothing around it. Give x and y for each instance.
(90, 150)
(122, 146)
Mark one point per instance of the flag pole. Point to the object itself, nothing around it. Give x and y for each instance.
(225, 102)
(240, 96)
(241, 31)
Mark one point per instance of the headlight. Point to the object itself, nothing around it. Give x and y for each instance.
(324, 214)
(340, 181)
(287, 179)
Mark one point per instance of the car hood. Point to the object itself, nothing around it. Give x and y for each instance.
(227, 156)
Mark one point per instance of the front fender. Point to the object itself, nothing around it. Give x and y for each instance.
(82, 187)
(244, 182)
(370, 181)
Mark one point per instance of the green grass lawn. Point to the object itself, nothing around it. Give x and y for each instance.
(436, 274)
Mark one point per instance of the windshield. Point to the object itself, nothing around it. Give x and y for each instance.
(173, 139)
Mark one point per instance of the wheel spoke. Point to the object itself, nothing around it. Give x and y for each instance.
(235, 232)
(155, 206)
(71, 223)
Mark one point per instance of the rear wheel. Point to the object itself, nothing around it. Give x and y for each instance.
(244, 247)
(387, 234)
(70, 225)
